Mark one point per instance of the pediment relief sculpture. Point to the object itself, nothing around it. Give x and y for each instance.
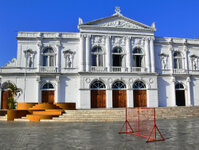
(120, 24)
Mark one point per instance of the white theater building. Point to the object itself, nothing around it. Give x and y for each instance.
(111, 62)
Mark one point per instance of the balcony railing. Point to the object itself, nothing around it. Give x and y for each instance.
(139, 69)
(48, 69)
(119, 69)
(98, 69)
(179, 71)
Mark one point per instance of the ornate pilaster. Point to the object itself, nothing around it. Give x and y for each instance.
(171, 57)
(189, 100)
(152, 54)
(39, 47)
(58, 47)
(147, 54)
(173, 102)
(38, 95)
(88, 52)
(81, 53)
(108, 54)
(57, 89)
(129, 53)
(186, 51)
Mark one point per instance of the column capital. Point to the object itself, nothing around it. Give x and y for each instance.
(57, 79)
(128, 37)
(38, 79)
(151, 38)
(88, 36)
(188, 79)
(173, 79)
(171, 48)
(108, 36)
(83, 35)
(146, 38)
(39, 45)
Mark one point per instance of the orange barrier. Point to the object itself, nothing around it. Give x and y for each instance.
(12, 114)
(25, 106)
(66, 106)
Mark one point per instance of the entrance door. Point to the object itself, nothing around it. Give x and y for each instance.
(98, 99)
(119, 98)
(48, 96)
(139, 98)
(4, 98)
(180, 98)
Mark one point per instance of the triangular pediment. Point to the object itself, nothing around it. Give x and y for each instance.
(117, 21)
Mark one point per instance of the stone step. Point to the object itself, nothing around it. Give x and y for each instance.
(47, 112)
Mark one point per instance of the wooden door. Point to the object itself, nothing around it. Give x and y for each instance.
(98, 99)
(119, 98)
(139, 98)
(180, 98)
(48, 96)
(5, 95)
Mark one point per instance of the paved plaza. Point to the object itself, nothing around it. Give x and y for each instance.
(182, 134)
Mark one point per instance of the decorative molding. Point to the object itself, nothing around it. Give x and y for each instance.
(12, 63)
(118, 41)
(98, 40)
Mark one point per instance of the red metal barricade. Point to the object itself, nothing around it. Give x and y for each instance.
(141, 122)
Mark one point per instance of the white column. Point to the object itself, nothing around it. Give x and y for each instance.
(108, 54)
(81, 54)
(129, 53)
(173, 92)
(38, 89)
(152, 55)
(39, 46)
(57, 89)
(129, 95)
(147, 54)
(58, 46)
(88, 53)
(188, 101)
(171, 58)
(186, 59)
(109, 101)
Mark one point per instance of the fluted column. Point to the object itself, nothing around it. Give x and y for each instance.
(173, 90)
(152, 54)
(129, 53)
(39, 47)
(186, 59)
(81, 53)
(108, 54)
(38, 97)
(57, 89)
(188, 102)
(171, 58)
(147, 54)
(88, 53)
(58, 47)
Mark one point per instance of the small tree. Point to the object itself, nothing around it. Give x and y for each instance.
(15, 93)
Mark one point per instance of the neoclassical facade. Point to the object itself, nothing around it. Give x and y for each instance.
(111, 62)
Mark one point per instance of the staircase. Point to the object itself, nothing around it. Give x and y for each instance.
(42, 111)
(91, 115)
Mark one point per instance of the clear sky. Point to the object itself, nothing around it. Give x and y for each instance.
(174, 18)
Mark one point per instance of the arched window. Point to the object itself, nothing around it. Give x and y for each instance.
(179, 86)
(48, 86)
(138, 57)
(118, 85)
(117, 57)
(139, 85)
(178, 60)
(98, 85)
(97, 56)
(48, 57)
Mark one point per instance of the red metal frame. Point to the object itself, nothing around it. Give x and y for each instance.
(153, 130)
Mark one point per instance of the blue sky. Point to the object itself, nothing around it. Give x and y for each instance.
(174, 18)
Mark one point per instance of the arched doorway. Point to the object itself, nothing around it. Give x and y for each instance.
(48, 93)
(119, 94)
(180, 94)
(5, 95)
(98, 95)
(139, 94)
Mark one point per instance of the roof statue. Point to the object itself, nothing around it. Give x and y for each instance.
(117, 11)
